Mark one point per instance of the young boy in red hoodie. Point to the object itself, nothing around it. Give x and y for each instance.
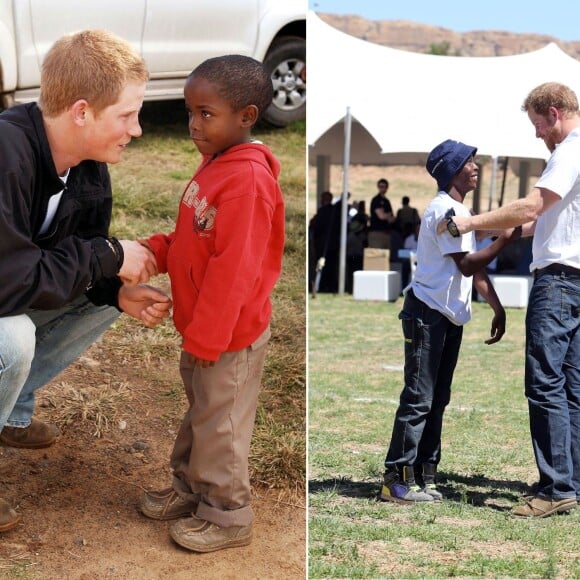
(223, 259)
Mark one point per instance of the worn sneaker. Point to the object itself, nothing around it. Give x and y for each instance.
(36, 436)
(431, 489)
(199, 535)
(401, 493)
(8, 517)
(425, 475)
(542, 507)
(396, 489)
(166, 505)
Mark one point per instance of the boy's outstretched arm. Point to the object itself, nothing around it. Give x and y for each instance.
(469, 264)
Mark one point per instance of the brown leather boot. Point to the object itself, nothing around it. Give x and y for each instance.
(166, 505)
(36, 436)
(8, 517)
(199, 535)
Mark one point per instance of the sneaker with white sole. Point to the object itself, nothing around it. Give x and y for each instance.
(400, 487)
(431, 489)
(425, 474)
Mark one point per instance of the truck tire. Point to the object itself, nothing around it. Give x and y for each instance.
(286, 64)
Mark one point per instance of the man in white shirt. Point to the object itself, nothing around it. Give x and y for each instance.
(551, 212)
(437, 305)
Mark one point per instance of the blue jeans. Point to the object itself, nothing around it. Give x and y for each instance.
(553, 381)
(35, 347)
(432, 345)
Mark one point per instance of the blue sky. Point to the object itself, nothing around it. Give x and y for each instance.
(558, 19)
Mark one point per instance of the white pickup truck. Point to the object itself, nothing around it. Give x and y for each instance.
(173, 36)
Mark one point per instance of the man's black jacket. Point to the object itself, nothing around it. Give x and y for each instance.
(47, 271)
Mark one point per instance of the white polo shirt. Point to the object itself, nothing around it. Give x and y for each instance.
(438, 281)
(557, 235)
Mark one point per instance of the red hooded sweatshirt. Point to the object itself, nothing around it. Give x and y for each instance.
(225, 254)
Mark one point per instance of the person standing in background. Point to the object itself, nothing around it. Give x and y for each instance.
(382, 218)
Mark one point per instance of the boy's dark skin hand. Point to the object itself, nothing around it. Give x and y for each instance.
(474, 265)
(145, 303)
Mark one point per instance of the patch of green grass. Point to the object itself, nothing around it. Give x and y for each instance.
(355, 379)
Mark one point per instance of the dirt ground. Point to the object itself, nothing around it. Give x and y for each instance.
(78, 498)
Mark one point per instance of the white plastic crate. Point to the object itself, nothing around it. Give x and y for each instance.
(513, 291)
(376, 285)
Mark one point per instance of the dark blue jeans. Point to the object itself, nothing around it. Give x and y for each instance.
(432, 345)
(553, 381)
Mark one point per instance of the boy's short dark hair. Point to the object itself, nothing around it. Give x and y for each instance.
(241, 80)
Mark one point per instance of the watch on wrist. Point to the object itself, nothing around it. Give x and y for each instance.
(452, 228)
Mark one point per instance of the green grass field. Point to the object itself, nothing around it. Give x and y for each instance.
(355, 379)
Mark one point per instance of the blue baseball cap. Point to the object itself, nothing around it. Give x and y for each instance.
(447, 159)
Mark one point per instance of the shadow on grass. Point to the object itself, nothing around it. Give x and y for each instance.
(476, 490)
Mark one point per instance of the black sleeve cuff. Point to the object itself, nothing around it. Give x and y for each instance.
(105, 291)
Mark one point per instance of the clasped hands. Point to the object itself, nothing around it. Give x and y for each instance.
(138, 263)
(136, 298)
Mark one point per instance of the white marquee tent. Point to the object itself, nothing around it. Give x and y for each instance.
(404, 103)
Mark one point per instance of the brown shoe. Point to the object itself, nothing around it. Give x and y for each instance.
(200, 535)
(539, 507)
(166, 505)
(36, 436)
(8, 517)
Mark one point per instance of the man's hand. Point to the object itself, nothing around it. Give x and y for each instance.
(497, 327)
(138, 263)
(462, 223)
(145, 303)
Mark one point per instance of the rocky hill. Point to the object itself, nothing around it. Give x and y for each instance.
(417, 37)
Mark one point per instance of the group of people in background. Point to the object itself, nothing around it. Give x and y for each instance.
(381, 228)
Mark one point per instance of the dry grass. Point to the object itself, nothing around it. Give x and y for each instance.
(100, 405)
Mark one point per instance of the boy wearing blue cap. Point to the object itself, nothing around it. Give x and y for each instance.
(437, 305)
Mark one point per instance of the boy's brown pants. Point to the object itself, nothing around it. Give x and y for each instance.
(210, 455)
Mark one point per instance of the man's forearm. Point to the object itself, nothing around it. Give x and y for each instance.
(521, 211)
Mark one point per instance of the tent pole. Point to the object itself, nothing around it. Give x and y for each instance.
(344, 208)
(502, 192)
(492, 184)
